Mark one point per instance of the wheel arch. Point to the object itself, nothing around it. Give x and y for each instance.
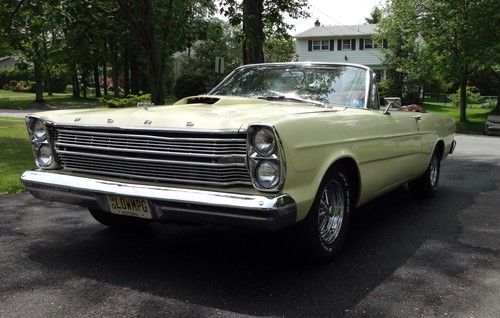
(351, 165)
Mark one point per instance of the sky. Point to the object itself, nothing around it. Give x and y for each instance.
(335, 12)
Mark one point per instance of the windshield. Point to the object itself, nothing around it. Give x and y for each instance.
(318, 84)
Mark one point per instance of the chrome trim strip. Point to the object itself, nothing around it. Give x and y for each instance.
(193, 163)
(66, 183)
(156, 177)
(171, 153)
(174, 130)
(92, 133)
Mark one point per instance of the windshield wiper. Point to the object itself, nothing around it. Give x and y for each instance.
(281, 96)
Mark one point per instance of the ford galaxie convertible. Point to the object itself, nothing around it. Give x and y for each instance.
(273, 145)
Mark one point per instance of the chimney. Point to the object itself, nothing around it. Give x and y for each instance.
(317, 23)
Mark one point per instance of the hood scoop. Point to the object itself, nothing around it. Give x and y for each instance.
(219, 100)
(202, 100)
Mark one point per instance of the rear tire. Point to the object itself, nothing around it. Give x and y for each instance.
(427, 185)
(324, 230)
(117, 221)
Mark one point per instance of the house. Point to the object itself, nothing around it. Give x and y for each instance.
(346, 44)
(8, 62)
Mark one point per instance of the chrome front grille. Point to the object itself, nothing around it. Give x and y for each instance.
(160, 156)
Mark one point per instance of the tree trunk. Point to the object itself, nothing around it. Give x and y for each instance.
(134, 74)
(126, 71)
(253, 31)
(39, 84)
(97, 86)
(105, 70)
(463, 99)
(115, 69)
(85, 83)
(48, 85)
(76, 84)
(156, 76)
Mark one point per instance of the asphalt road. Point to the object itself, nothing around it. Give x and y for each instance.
(404, 258)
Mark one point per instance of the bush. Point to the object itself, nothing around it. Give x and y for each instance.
(130, 101)
(189, 85)
(6, 87)
(14, 74)
(473, 96)
(12, 84)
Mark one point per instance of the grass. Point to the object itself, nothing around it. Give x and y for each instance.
(14, 100)
(16, 155)
(476, 116)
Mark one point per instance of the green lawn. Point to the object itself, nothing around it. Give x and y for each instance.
(476, 116)
(16, 155)
(14, 100)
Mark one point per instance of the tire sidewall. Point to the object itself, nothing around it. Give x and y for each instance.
(322, 251)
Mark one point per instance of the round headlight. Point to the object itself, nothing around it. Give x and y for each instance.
(268, 174)
(44, 158)
(40, 131)
(264, 142)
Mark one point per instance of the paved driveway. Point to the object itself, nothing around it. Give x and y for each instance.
(404, 257)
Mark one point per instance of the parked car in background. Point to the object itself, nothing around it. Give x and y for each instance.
(273, 145)
(493, 125)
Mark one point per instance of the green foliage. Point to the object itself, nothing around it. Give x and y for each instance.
(472, 93)
(189, 85)
(13, 74)
(130, 101)
(279, 49)
(375, 16)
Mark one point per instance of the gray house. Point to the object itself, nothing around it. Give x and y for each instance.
(8, 61)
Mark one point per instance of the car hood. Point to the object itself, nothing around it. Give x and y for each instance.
(192, 113)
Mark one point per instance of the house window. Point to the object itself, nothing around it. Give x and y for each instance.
(316, 45)
(379, 75)
(346, 44)
(368, 44)
(325, 45)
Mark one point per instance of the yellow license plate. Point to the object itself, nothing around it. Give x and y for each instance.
(129, 206)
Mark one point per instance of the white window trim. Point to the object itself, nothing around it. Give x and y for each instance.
(320, 47)
(372, 44)
(344, 47)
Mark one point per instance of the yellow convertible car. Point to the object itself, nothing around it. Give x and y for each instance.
(273, 145)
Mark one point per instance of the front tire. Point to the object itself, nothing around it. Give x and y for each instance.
(117, 221)
(427, 185)
(325, 227)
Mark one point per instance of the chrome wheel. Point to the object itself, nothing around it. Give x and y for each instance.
(434, 170)
(331, 212)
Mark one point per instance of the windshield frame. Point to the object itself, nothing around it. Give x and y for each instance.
(368, 77)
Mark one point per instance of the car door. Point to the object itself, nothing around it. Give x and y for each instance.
(399, 147)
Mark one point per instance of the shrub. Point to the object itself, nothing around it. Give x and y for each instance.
(12, 84)
(6, 87)
(19, 87)
(473, 96)
(15, 74)
(189, 85)
(130, 101)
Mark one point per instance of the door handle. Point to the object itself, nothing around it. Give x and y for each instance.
(416, 117)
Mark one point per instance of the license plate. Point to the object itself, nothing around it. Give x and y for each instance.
(129, 206)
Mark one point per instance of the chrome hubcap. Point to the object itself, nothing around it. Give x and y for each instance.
(331, 211)
(433, 169)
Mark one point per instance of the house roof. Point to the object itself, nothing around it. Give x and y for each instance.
(338, 30)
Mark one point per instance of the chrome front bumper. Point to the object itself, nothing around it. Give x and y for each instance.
(168, 204)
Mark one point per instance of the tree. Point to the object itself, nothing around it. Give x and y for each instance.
(279, 49)
(375, 16)
(160, 28)
(257, 18)
(463, 37)
(27, 28)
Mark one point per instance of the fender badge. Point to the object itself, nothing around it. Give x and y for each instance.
(110, 121)
(189, 124)
(77, 119)
(147, 122)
